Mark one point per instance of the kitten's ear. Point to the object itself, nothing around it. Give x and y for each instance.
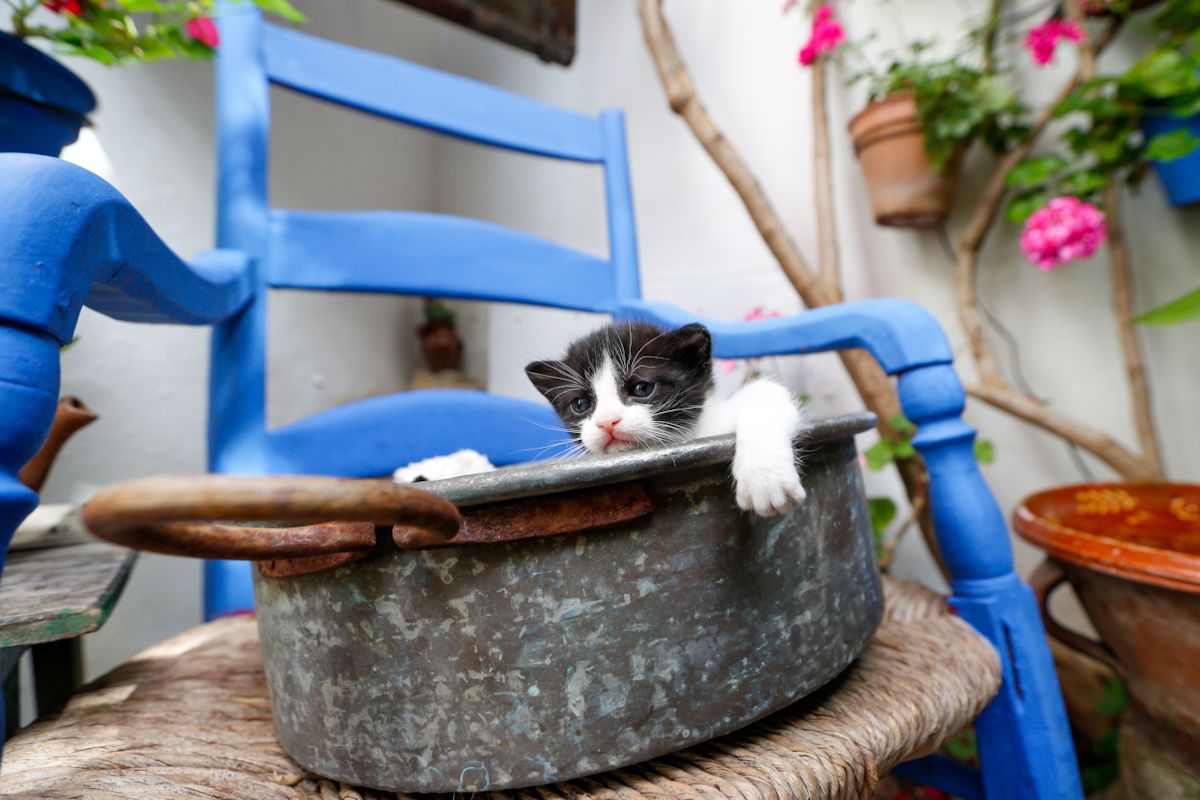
(546, 376)
(691, 344)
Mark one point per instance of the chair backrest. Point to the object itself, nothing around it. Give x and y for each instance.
(389, 251)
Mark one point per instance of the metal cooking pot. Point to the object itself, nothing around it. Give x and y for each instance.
(582, 615)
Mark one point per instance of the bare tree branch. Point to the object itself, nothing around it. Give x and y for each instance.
(872, 383)
(823, 183)
(1094, 440)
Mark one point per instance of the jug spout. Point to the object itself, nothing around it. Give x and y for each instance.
(71, 415)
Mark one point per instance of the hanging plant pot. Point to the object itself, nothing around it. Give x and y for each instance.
(42, 103)
(1132, 554)
(906, 190)
(1180, 177)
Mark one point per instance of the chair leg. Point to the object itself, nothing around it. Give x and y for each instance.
(1025, 746)
(57, 672)
(28, 396)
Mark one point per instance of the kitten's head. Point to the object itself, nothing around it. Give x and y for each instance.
(629, 385)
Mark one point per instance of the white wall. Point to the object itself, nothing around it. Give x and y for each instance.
(700, 250)
(153, 141)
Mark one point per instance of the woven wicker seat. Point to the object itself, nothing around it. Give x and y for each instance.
(190, 718)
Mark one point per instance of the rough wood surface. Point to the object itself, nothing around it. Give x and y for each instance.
(190, 718)
(60, 592)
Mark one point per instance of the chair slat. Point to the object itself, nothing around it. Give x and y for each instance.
(410, 93)
(379, 434)
(433, 254)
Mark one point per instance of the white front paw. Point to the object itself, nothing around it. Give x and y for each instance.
(767, 482)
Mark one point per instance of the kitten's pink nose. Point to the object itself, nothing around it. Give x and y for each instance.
(609, 425)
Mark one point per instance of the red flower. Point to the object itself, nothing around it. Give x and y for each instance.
(827, 34)
(59, 6)
(203, 30)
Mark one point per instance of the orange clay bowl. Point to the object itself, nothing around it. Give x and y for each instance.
(1132, 553)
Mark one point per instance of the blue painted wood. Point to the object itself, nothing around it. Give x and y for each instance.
(1024, 740)
(431, 254)
(65, 230)
(237, 377)
(949, 775)
(622, 231)
(417, 95)
(379, 434)
(901, 335)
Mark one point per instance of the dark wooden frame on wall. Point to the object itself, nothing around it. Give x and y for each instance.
(545, 28)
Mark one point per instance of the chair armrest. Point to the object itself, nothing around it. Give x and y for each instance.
(68, 238)
(901, 335)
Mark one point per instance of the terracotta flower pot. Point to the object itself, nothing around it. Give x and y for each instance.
(906, 190)
(1132, 554)
(440, 345)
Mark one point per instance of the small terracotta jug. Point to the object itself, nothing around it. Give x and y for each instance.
(71, 415)
(440, 345)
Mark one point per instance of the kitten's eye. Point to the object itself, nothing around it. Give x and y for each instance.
(642, 389)
(580, 405)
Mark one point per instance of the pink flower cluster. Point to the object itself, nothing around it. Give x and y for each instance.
(61, 6)
(826, 35)
(1042, 40)
(203, 30)
(1063, 231)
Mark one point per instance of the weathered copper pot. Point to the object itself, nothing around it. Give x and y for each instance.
(1132, 554)
(906, 190)
(502, 665)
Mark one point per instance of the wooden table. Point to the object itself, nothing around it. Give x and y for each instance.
(49, 598)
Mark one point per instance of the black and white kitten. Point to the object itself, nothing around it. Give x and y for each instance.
(633, 385)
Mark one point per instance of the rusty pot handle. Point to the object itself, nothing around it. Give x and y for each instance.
(175, 515)
(1047, 577)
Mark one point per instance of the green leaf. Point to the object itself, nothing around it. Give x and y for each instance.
(901, 425)
(1035, 171)
(1025, 204)
(1113, 701)
(140, 6)
(1173, 145)
(1164, 73)
(903, 449)
(1181, 309)
(1084, 183)
(985, 451)
(879, 455)
(882, 511)
(281, 8)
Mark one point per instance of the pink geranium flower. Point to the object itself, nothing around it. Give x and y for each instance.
(1063, 231)
(827, 34)
(1042, 40)
(59, 6)
(203, 30)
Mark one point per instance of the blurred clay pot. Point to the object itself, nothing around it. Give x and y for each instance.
(906, 190)
(71, 415)
(1132, 554)
(440, 345)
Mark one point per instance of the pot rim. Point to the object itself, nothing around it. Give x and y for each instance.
(528, 480)
(880, 105)
(28, 74)
(1140, 563)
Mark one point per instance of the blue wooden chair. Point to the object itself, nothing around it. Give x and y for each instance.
(68, 239)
